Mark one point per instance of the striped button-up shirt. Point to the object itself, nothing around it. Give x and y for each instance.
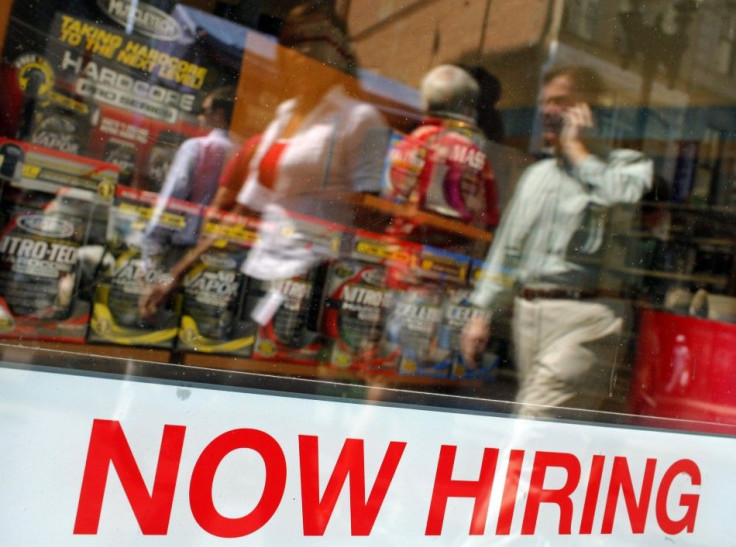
(551, 202)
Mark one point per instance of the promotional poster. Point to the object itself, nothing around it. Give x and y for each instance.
(115, 80)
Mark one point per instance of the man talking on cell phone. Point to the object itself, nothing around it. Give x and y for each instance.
(566, 328)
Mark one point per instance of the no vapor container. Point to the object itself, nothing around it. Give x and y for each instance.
(215, 317)
(139, 255)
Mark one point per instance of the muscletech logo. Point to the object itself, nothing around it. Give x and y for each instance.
(42, 225)
(147, 20)
(376, 277)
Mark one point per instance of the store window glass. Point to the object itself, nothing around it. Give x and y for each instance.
(527, 202)
(389, 272)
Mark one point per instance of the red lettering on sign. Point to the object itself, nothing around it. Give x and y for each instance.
(445, 487)
(510, 489)
(621, 482)
(316, 513)
(538, 494)
(108, 445)
(591, 494)
(689, 501)
(203, 476)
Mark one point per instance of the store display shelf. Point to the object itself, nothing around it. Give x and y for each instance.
(12, 350)
(155, 355)
(702, 241)
(316, 372)
(424, 218)
(696, 278)
(688, 207)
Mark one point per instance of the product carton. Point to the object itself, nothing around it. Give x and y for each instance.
(417, 320)
(457, 312)
(287, 270)
(49, 205)
(215, 317)
(146, 236)
(359, 293)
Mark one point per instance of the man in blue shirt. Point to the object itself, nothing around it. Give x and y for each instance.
(195, 170)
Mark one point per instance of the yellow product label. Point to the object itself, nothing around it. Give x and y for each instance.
(409, 365)
(7, 324)
(266, 348)
(104, 325)
(444, 265)
(233, 233)
(189, 335)
(188, 331)
(385, 252)
(68, 102)
(145, 212)
(458, 370)
(342, 360)
(137, 210)
(171, 219)
(106, 189)
(30, 171)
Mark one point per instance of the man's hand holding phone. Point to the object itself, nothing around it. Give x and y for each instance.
(577, 123)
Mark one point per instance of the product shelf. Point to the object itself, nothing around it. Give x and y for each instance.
(697, 278)
(424, 218)
(702, 241)
(14, 350)
(317, 372)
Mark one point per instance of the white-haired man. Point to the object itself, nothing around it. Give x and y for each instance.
(442, 165)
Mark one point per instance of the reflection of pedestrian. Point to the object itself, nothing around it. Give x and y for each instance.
(197, 165)
(309, 154)
(234, 174)
(442, 165)
(195, 170)
(565, 334)
(307, 159)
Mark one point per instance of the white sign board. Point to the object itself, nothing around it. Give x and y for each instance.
(90, 460)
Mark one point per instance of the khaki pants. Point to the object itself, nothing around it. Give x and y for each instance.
(566, 351)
